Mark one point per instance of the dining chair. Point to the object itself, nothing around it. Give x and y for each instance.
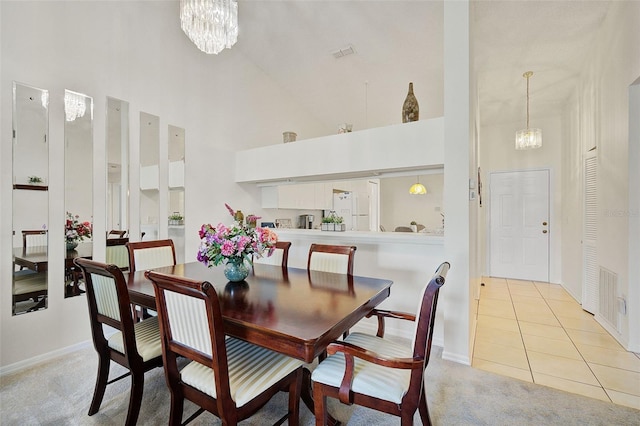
(151, 254)
(380, 374)
(279, 257)
(29, 286)
(136, 345)
(403, 229)
(331, 258)
(33, 238)
(117, 252)
(227, 377)
(116, 233)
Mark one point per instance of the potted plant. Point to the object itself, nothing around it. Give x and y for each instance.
(35, 180)
(338, 225)
(414, 226)
(327, 223)
(176, 218)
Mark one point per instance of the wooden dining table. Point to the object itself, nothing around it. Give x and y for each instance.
(292, 311)
(36, 258)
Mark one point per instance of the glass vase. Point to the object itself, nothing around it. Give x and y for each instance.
(235, 270)
(71, 245)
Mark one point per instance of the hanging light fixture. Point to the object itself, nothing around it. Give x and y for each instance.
(528, 138)
(211, 25)
(75, 105)
(417, 188)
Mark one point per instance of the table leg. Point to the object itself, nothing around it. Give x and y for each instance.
(307, 396)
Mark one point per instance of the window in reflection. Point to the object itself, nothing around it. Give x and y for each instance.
(149, 176)
(78, 181)
(176, 190)
(30, 198)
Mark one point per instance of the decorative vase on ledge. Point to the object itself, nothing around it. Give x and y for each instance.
(410, 109)
(71, 245)
(235, 270)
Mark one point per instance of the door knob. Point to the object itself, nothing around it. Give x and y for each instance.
(544, 231)
(544, 223)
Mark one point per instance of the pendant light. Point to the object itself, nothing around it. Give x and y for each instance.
(528, 138)
(417, 188)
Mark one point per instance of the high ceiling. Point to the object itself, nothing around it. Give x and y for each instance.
(397, 42)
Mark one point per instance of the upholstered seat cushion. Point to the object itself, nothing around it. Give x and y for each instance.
(252, 370)
(147, 339)
(368, 378)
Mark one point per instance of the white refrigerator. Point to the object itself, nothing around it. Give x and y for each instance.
(354, 211)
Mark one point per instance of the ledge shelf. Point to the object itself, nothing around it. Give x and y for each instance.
(418, 145)
(30, 187)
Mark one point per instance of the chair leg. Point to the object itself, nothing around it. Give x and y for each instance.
(135, 398)
(177, 406)
(104, 363)
(319, 405)
(424, 409)
(295, 390)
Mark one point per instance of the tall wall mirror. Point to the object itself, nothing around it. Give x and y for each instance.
(78, 181)
(117, 146)
(30, 198)
(149, 176)
(176, 190)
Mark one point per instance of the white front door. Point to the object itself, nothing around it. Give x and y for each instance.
(519, 225)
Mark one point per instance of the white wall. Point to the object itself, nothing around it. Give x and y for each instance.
(223, 102)
(599, 115)
(498, 153)
(399, 208)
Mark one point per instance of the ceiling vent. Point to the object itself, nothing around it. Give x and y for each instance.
(345, 51)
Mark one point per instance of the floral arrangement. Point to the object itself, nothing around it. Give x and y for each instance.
(75, 230)
(235, 243)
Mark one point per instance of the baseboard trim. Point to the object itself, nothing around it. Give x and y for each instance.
(460, 359)
(27, 363)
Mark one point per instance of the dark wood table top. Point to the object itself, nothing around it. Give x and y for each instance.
(294, 311)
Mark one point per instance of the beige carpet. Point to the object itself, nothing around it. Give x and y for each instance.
(59, 392)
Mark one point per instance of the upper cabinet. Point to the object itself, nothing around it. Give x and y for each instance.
(307, 196)
(408, 146)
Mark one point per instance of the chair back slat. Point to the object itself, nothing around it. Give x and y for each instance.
(34, 238)
(279, 257)
(106, 296)
(188, 321)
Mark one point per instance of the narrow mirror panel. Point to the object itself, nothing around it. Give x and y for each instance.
(117, 182)
(78, 181)
(176, 190)
(149, 176)
(30, 198)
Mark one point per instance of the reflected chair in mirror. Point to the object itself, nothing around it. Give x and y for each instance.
(149, 255)
(29, 292)
(136, 345)
(227, 377)
(331, 258)
(116, 233)
(403, 229)
(117, 253)
(34, 238)
(279, 257)
(380, 374)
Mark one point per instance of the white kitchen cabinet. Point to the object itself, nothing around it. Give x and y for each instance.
(298, 197)
(323, 196)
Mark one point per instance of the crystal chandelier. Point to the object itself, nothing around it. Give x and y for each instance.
(75, 105)
(211, 25)
(528, 138)
(417, 188)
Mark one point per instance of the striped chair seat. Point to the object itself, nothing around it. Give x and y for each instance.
(370, 379)
(252, 370)
(148, 342)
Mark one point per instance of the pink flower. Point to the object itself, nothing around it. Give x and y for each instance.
(228, 248)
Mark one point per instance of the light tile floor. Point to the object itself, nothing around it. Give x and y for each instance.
(538, 333)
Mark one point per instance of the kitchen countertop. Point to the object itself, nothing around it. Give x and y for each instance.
(366, 236)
